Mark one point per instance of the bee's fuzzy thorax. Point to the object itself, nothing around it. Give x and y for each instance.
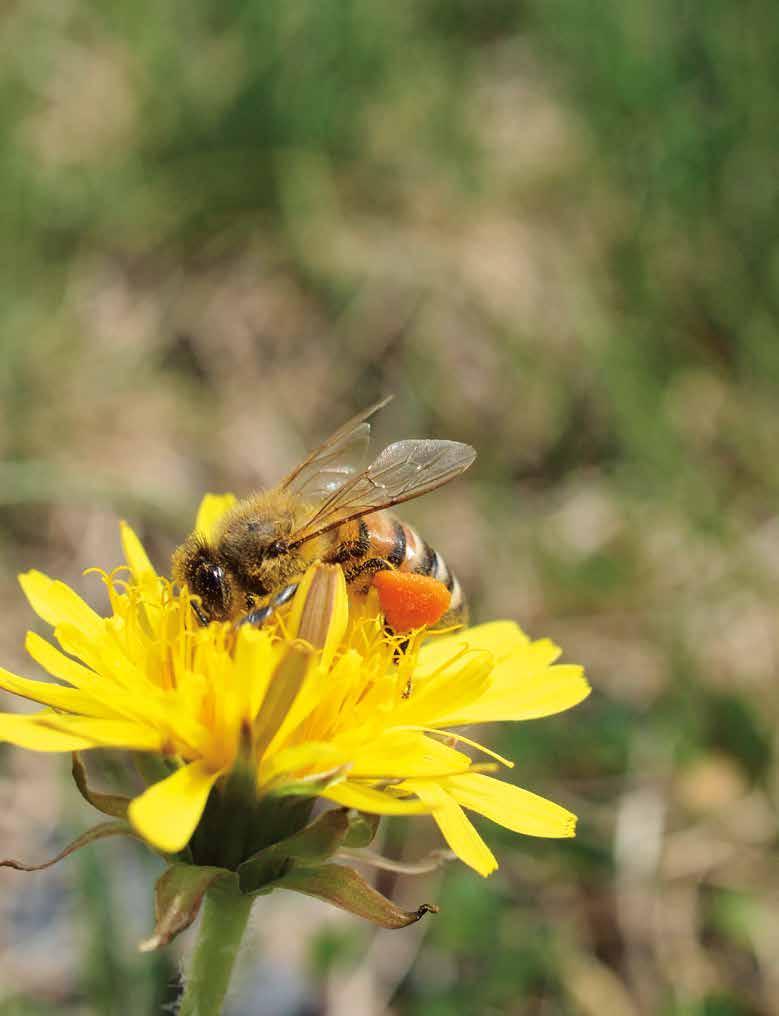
(268, 514)
(244, 540)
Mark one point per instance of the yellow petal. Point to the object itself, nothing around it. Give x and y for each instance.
(135, 555)
(56, 603)
(277, 715)
(345, 676)
(253, 662)
(27, 732)
(451, 691)
(455, 825)
(58, 664)
(499, 638)
(49, 694)
(404, 754)
(518, 695)
(106, 733)
(453, 737)
(318, 616)
(106, 656)
(511, 806)
(300, 761)
(352, 795)
(543, 652)
(212, 508)
(168, 812)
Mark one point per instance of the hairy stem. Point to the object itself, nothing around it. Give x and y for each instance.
(222, 924)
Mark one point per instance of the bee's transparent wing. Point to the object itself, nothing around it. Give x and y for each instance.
(403, 471)
(327, 468)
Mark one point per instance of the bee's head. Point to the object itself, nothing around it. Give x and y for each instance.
(196, 566)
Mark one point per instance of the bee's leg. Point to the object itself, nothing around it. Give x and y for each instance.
(367, 569)
(285, 595)
(199, 613)
(257, 618)
(346, 551)
(352, 550)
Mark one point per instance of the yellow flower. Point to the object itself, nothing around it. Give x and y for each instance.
(321, 702)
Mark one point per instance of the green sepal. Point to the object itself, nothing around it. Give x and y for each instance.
(153, 767)
(313, 844)
(110, 804)
(98, 832)
(362, 829)
(344, 888)
(178, 895)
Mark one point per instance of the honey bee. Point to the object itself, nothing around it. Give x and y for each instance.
(326, 510)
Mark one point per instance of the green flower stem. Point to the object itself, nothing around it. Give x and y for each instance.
(222, 924)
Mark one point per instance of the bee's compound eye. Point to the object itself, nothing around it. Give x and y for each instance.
(211, 580)
(276, 549)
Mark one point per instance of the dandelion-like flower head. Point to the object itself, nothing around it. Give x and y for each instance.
(323, 702)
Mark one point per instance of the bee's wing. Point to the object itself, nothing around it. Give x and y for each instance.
(404, 470)
(328, 467)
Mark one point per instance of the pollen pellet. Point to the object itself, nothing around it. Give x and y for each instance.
(409, 600)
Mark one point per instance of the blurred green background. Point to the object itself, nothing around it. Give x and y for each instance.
(550, 228)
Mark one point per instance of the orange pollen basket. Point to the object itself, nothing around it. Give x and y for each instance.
(409, 600)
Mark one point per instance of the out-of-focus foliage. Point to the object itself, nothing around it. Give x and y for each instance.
(550, 228)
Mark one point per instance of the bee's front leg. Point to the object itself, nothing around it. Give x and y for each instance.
(199, 613)
(258, 617)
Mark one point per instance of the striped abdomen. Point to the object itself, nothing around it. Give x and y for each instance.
(364, 545)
